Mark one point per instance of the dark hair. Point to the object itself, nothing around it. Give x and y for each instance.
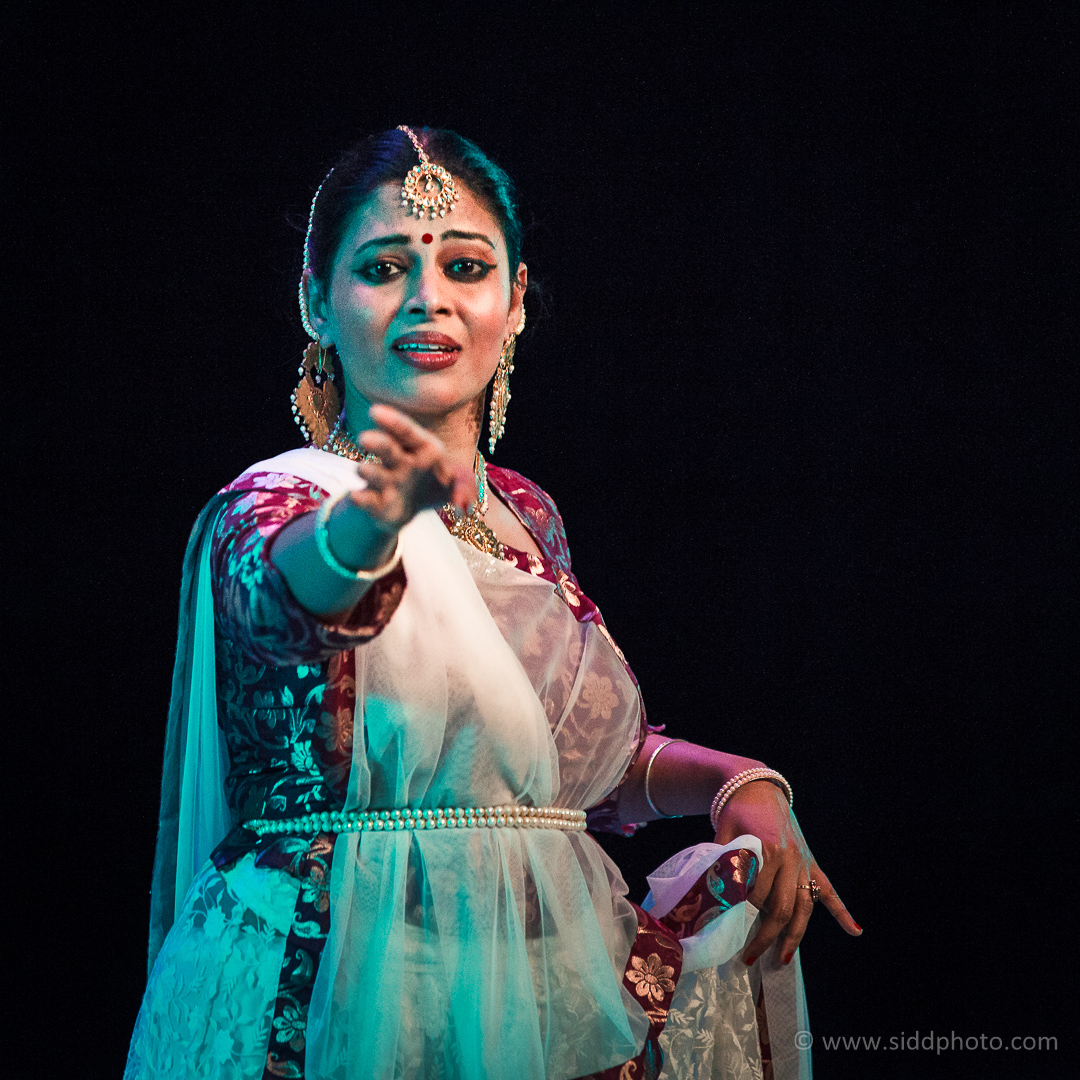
(386, 158)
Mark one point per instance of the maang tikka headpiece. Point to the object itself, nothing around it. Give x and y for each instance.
(428, 188)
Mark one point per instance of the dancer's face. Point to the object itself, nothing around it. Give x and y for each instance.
(418, 310)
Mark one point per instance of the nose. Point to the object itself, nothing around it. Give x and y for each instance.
(428, 293)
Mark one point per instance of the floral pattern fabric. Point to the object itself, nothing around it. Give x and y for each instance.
(204, 1016)
(253, 607)
(308, 931)
(286, 680)
(717, 1000)
(286, 690)
(537, 511)
(652, 973)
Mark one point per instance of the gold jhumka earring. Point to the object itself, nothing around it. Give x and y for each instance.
(316, 405)
(500, 387)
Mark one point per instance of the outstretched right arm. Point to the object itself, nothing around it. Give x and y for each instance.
(414, 474)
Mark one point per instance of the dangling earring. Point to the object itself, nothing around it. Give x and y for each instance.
(500, 387)
(315, 403)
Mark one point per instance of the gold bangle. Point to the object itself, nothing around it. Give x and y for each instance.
(322, 542)
(648, 770)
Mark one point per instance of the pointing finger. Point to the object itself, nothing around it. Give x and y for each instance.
(834, 904)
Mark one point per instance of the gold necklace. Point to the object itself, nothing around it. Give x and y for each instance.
(469, 527)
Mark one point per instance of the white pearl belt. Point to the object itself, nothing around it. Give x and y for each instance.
(454, 817)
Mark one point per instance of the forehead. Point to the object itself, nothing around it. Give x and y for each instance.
(382, 214)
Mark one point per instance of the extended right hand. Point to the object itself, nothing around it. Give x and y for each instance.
(415, 472)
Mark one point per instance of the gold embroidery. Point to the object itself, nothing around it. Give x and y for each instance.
(666, 942)
(685, 912)
(322, 845)
(566, 589)
(611, 641)
(336, 729)
(651, 977)
(743, 866)
(705, 918)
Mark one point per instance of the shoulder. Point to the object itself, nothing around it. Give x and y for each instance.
(271, 492)
(305, 472)
(537, 507)
(522, 491)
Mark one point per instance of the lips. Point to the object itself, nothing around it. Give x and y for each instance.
(427, 350)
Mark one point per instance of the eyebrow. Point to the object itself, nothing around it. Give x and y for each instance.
(457, 234)
(397, 238)
(403, 240)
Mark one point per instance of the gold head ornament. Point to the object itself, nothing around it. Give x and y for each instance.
(428, 189)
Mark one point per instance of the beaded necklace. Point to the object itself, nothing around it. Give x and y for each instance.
(469, 527)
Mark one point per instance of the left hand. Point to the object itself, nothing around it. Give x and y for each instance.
(760, 808)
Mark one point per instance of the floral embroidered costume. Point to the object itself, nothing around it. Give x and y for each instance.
(459, 680)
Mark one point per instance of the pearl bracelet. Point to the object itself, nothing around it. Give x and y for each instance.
(648, 769)
(322, 542)
(452, 817)
(746, 777)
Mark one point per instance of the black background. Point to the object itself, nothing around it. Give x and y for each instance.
(801, 382)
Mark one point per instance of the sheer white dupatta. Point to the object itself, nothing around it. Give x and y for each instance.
(194, 816)
(465, 953)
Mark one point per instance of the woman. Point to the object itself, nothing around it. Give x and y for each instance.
(419, 707)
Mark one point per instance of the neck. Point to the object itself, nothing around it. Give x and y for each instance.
(459, 429)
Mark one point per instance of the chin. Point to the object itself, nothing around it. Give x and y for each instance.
(432, 405)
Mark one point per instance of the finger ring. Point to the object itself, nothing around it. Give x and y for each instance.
(815, 890)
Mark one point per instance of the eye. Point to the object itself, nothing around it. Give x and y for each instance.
(469, 269)
(379, 271)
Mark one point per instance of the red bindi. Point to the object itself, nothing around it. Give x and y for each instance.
(427, 238)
